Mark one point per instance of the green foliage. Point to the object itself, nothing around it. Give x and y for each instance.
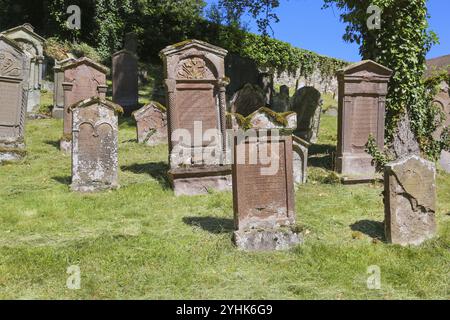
(59, 50)
(380, 158)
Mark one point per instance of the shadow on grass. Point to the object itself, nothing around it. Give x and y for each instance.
(373, 229)
(66, 180)
(211, 224)
(321, 156)
(52, 143)
(157, 170)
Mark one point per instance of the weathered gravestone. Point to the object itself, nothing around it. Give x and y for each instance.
(248, 99)
(33, 45)
(125, 80)
(282, 100)
(151, 124)
(445, 161)
(263, 191)
(13, 99)
(131, 42)
(362, 97)
(307, 103)
(58, 90)
(442, 101)
(83, 79)
(410, 200)
(265, 118)
(95, 145)
(196, 105)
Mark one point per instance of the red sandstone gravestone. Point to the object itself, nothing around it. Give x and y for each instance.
(362, 97)
(196, 107)
(151, 124)
(13, 99)
(95, 145)
(83, 79)
(125, 80)
(263, 191)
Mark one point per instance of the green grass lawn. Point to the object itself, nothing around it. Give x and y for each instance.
(141, 242)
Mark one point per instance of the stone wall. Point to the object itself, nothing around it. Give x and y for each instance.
(324, 84)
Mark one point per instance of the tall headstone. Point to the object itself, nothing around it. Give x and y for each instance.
(362, 97)
(151, 124)
(125, 80)
(95, 162)
(196, 114)
(263, 191)
(83, 79)
(33, 45)
(131, 42)
(248, 100)
(13, 99)
(307, 103)
(410, 200)
(58, 90)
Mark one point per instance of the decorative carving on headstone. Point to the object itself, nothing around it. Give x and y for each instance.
(362, 97)
(83, 79)
(151, 122)
(13, 99)
(196, 107)
(410, 200)
(95, 145)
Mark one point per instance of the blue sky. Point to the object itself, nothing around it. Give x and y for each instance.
(305, 25)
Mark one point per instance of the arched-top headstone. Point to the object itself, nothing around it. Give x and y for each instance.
(362, 97)
(248, 100)
(83, 79)
(33, 45)
(196, 105)
(308, 106)
(13, 98)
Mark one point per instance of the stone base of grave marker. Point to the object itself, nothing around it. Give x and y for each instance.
(11, 151)
(267, 240)
(58, 112)
(198, 180)
(410, 201)
(357, 168)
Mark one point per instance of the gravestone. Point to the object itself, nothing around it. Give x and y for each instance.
(131, 42)
(445, 161)
(13, 99)
(362, 97)
(300, 160)
(83, 79)
(263, 191)
(442, 101)
(151, 122)
(58, 90)
(282, 100)
(196, 105)
(33, 45)
(125, 80)
(95, 145)
(410, 200)
(307, 103)
(248, 99)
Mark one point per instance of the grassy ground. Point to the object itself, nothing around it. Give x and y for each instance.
(142, 242)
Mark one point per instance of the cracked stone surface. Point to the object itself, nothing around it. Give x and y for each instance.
(410, 200)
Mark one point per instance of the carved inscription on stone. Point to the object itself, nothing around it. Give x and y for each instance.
(364, 121)
(10, 94)
(9, 66)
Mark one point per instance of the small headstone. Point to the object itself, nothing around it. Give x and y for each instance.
(247, 100)
(95, 145)
(196, 115)
(307, 104)
(300, 160)
(58, 90)
(282, 101)
(151, 122)
(83, 79)
(263, 192)
(13, 99)
(125, 80)
(33, 45)
(445, 161)
(410, 200)
(362, 98)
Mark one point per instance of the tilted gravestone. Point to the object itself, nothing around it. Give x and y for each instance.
(196, 108)
(248, 99)
(58, 90)
(125, 80)
(307, 103)
(362, 97)
(95, 145)
(83, 79)
(33, 45)
(410, 200)
(151, 124)
(263, 191)
(13, 99)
